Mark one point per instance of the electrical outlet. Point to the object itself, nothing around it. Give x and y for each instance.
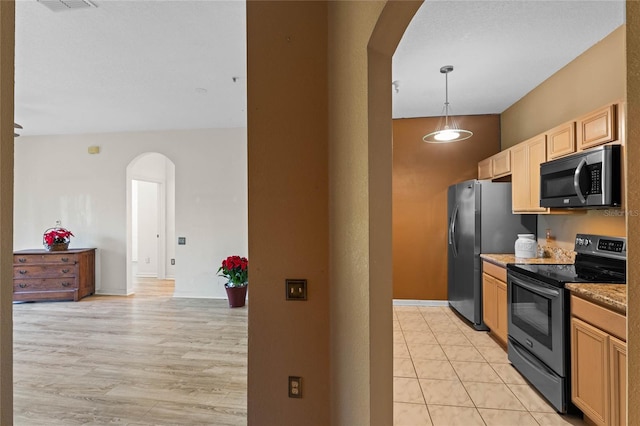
(182, 241)
(295, 387)
(173, 261)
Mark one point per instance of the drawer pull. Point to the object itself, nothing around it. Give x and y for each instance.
(22, 271)
(65, 259)
(22, 260)
(65, 271)
(66, 284)
(23, 285)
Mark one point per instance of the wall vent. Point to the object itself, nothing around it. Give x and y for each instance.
(60, 5)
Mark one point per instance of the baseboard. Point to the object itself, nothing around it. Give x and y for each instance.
(410, 302)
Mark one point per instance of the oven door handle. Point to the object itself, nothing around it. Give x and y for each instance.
(537, 289)
(576, 181)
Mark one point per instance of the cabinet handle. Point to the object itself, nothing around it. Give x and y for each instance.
(22, 260)
(65, 271)
(66, 284)
(65, 259)
(22, 271)
(23, 285)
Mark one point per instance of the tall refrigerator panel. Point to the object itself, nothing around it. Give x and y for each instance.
(479, 221)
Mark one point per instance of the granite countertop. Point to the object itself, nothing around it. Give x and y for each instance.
(612, 296)
(503, 259)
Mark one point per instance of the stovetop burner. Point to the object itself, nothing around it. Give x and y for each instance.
(598, 260)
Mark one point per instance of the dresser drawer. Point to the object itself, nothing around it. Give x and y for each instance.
(37, 259)
(44, 284)
(44, 271)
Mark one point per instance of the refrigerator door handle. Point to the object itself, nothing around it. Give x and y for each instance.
(452, 232)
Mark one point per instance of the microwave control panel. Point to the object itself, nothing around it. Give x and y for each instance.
(595, 171)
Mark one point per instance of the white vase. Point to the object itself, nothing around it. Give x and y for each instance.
(526, 246)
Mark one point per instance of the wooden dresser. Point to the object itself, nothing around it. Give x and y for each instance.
(39, 274)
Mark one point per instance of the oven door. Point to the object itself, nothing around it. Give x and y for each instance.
(536, 319)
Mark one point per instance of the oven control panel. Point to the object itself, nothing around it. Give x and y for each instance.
(601, 245)
(610, 245)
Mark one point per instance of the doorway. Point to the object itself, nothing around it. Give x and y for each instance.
(146, 228)
(150, 219)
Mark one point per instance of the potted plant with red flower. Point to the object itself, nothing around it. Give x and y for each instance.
(56, 239)
(236, 270)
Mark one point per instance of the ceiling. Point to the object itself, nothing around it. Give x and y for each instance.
(500, 51)
(160, 65)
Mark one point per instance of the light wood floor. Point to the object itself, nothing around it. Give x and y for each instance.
(147, 359)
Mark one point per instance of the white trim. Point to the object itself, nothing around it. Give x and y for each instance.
(409, 302)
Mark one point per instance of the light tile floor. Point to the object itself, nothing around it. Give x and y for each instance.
(447, 373)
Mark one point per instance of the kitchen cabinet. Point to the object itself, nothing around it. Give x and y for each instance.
(501, 164)
(494, 299)
(598, 362)
(496, 166)
(485, 169)
(597, 127)
(561, 140)
(526, 158)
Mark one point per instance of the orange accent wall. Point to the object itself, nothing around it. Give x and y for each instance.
(422, 173)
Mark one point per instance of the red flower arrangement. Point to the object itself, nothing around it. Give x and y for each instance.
(56, 236)
(236, 270)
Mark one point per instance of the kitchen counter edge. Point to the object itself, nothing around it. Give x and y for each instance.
(612, 296)
(504, 259)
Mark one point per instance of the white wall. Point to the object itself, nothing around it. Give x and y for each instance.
(55, 178)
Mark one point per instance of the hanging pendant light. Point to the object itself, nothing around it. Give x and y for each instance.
(447, 130)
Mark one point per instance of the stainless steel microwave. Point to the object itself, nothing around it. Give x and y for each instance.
(585, 179)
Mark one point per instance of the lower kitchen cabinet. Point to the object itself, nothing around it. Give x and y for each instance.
(598, 362)
(494, 299)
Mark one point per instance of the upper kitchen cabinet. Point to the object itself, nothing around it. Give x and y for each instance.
(485, 169)
(597, 127)
(496, 166)
(526, 158)
(561, 140)
(501, 164)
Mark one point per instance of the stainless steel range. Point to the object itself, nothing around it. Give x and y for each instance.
(538, 312)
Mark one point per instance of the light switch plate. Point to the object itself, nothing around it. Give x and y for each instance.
(296, 289)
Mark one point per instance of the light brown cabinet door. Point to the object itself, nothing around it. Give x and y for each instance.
(520, 196)
(501, 163)
(597, 127)
(501, 311)
(489, 301)
(590, 370)
(537, 156)
(485, 169)
(526, 158)
(561, 140)
(618, 385)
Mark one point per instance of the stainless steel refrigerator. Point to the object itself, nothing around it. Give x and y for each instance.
(480, 221)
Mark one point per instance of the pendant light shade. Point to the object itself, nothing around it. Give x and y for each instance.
(447, 130)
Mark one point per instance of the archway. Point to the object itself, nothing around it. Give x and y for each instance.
(151, 238)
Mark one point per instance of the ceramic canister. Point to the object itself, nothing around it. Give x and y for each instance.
(526, 246)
